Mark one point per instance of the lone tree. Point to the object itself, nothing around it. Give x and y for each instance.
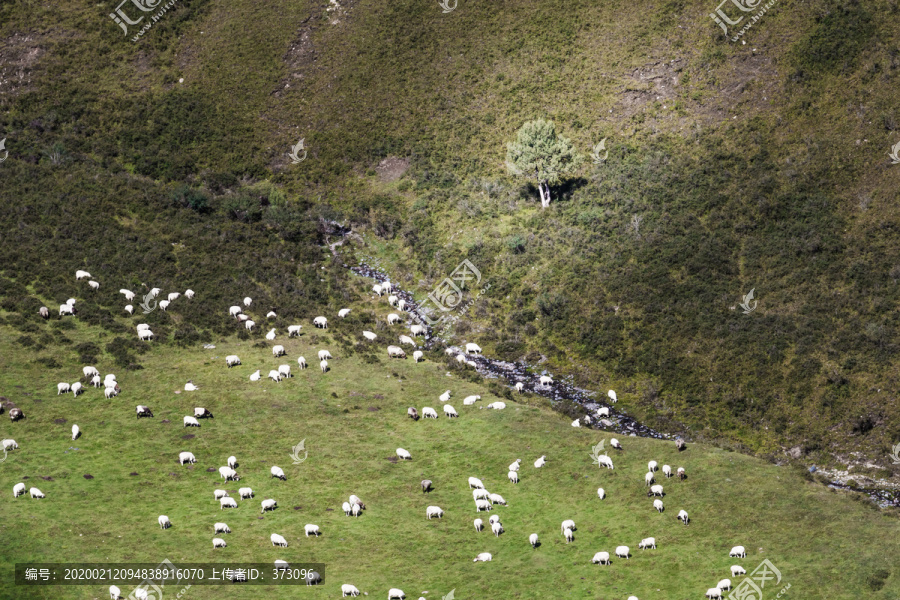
(540, 154)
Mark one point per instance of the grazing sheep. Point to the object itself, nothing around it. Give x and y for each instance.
(313, 578)
(221, 528)
(76, 388)
(603, 412)
(114, 592)
(575, 423)
(191, 422)
(255, 376)
(271, 315)
(417, 330)
(479, 524)
(202, 413)
(481, 493)
(19, 489)
(247, 301)
(95, 381)
(294, 330)
(190, 387)
(470, 400)
(681, 474)
(396, 593)
(129, 309)
(15, 414)
(393, 319)
(369, 336)
(62, 388)
(648, 479)
(445, 396)
(656, 490)
(145, 335)
(658, 505)
(164, 304)
(268, 505)
(36, 493)
(76, 431)
(651, 466)
(245, 492)
(533, 540)
(460, 358)
(738, 551)
(94, 284)
(323, 354)
(683, 516)
(111, 392)
(323, 365)
(616, 444)
(520, 386)
(354, 499)
(349, 590)
(612, 396)
(309, 528)
(513, 476)
(189, 294)
(227, 502)
(735, 569)
(494, 519)
(426, 485)
(392, 300)
(387, 287)
(429, 413)
(570, 537)
(724, 584)
(281, 564)
(474, 482)
(243, 318)
(396, 352)
(81, 274)
(540, 462)
(403, 454)
(71, 302)
(622, 551)
(434, 511)
(377, 289)
(355, 509)
(497, 499)
(343, 312)
(601, 558)
(9, 444)
(184, 457)
(232, 360)
(418, 355)
(496, 528)
(471, 363)
(405, 339)
(234, 311)
(473, 349)
(346, 508)
(248, 324)
(412, 413)
(90, 371)
(285, 371)
(449, 411)
(321, 322)
(401, 304)
(497, 405)
(278, 540)
(713, 593)
(172, 297)
(278, 350)
(546, 380)
(601, 493)
(142, 327)
(481, 505)
(277, 472)
(228, 474)
(301, 362)
(483, 557)
(219, 543)
(679, 443)
(274, 375)
(667, 471)
(271, 335)
(44, 312)
(647, 543)
(164, 522)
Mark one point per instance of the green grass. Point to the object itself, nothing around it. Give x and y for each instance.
(826, 544)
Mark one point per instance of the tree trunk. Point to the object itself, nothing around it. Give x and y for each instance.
(545, 193)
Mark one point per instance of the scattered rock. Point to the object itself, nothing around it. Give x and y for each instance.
(46, 478)
(59, 421)
(211, 470)
(88, 476)
(794, 452)
(393, 459)
(297, 507)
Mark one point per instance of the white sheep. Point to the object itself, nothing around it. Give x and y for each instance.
(36, 493)
(301, 362)
(658, 505)
(164, 304)
(227, 503)
(724, 584)
(321, 322)
(601, 558)
(190, 387)
(271, 335)
(164, 522)
(612, 396)
(285, 371)
(568, 524)
(393, 319)
(323, 364)
(605, 461)
(219, 543)
(497, 499)
(309, 528)
(268, 504)
(81, 274)
(129, 309)
(396, 593)
(403, 454)
(434, 511)
(575, 423)
(277, 472)
(496, 528)
(278, 540)
(479, 493)
(513, 476)
(271, 314)
(76, 431)
(497, 405)
(648, 479)
(520, 386)
(735, 570)
(494, 519)
(189, 294)
(62, 388)
(483, 557)
(76, 388)
(294, 330)
(683, 516)
(418, 355)
(656, 490)
(281, 564)
(401, 304)
(546, 380)
(191, 422)
(71, 302)
(481, 505)
(355, 509)
(346, 508)
(349, 590)
(680, 472)
(142, 326)
(255, 376)
(323, 354)
(95, 381)
(278, 350)
(145, 334)
(445, 396)
(114, 592)
(540, 462)
(405, 339)
(738, 551)
(470, 400)
(245, 492)
(417, 330)
(651, 466)
(172, 297)
(479, 524)
(647, 543)
(713, 593)
(274, 375)
(90, 371)
(18, 490)
(667, 470)
(354, 499)
(570, 537)
(392, 300)
(387, 287)
(343, 312)
(429, 413)
(601, 493)
(449, 411)
(221, 528)
(247, 301)
(622, 551)
(234, 311)
(184, 457)
(603, 412)
(474, 482)
(471, 363)
(396, 352)
(369, 336)
(94, 284)
(111, 392)
(232, 360)
(228, 474)
(9, 444)
(202, 413)
(460, 358)
(377, 289)
(248, 324)
(243, 318)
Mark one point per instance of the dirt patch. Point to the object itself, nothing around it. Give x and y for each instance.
(297, 507)
(188, 436)
(59, 421)
(133, 474)
(374, 408)
(211, 470)
(393, 459)
(18, 55)
(329, 510)
(46, 478)
(190, 467)
(392, 168)
(88, 476)
(378, 397)
(167, 421)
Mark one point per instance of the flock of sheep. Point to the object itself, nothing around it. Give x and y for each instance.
(484, 500)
